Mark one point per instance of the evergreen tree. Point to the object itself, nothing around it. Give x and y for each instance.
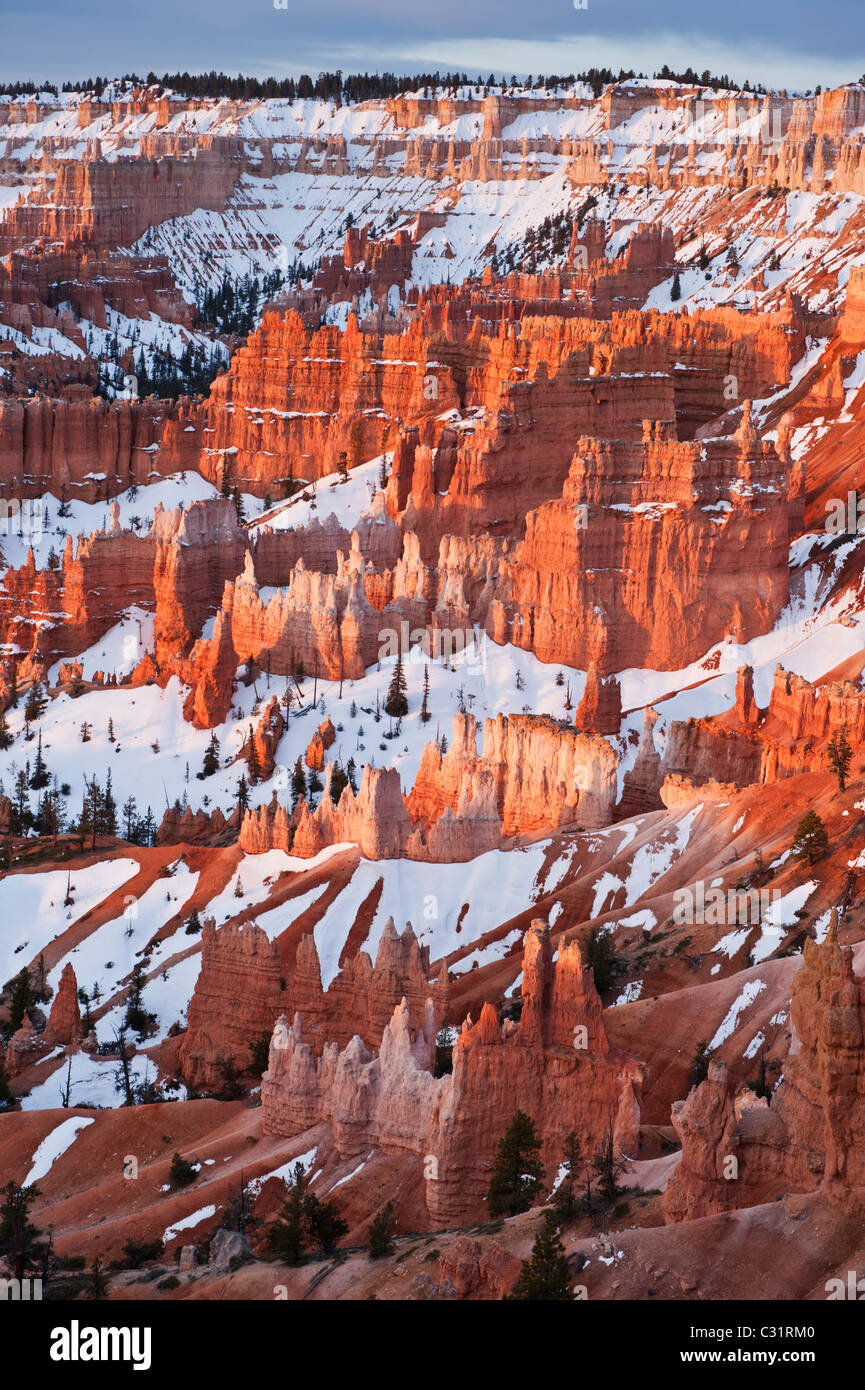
(326, 1225)
(210, 763)
(314, 785)
(259, 1053)
(840, 756)
(298, 783)
(7, 1100)
(98, 1282)
(36, 703)
(699, 1069)
(565, 1199)
(288, 1235)
(676, 291)
(21, 999)
(137, 1019)
(351, 774)
(338, 782)
(193, 923)
(181, 1173)
(545, 1276)
(380, 1241)
(21, 1248)
(130, 819)
(253, 764)
(242, 795)
(600, 956)
(342, 466)
(6, 738)
(518, 1172)
(396, 704)
(810, 840)
(424, 709)
(607, 1165)
(238, 506)
(108, 824)
(40, 776)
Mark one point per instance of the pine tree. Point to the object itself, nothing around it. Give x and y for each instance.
(6, 738)
(210, 763)
(298, 783)
(326, 1225)
(380, 1241)
(193, 923)
(565, 1199)
(607, 1166)
(699, 1068)
(342, 466)
(676, 291)
(518, 1173)
(396, 704)
(351, 775)
(424, 709)
(137, 1019)
(98, 1283)
(840, 756)
(109, 809)
(238, 506)
(111, 738)
(288, 1236)
(810, 840)
(253, 765)
(545, 1276)
(7, 1100)
(242, 794)
(20, 1244)
(21, 999)
(36, 703)
(130, 819)
(600, 956)
(182, 1173)
(41, 776)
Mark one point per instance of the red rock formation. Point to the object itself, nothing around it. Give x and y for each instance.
(533, 775)
(811, 1132)
(362, 997)
(600, 709)
(556, 1065)
(64, 1020)
(323, 738)
(237, 996)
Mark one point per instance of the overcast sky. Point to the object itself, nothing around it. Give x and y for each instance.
(778, 43)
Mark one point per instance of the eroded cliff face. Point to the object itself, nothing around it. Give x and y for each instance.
(737, 1151)
(533, 775)
(238, 994)
(556, 1065)
(243, 986)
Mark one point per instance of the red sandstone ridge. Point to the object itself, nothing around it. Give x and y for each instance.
(238, 994)
(556, 1065)
(243, 985)
(533, 775)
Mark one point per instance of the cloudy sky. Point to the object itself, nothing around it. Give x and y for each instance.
(777, 42)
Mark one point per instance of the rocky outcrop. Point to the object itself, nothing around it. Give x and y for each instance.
(532, 775)
(556, 1065)
(64, 1020)
(237, 996)
(600, 709)
(363, 995)
(737, 1151)
(323, 738)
